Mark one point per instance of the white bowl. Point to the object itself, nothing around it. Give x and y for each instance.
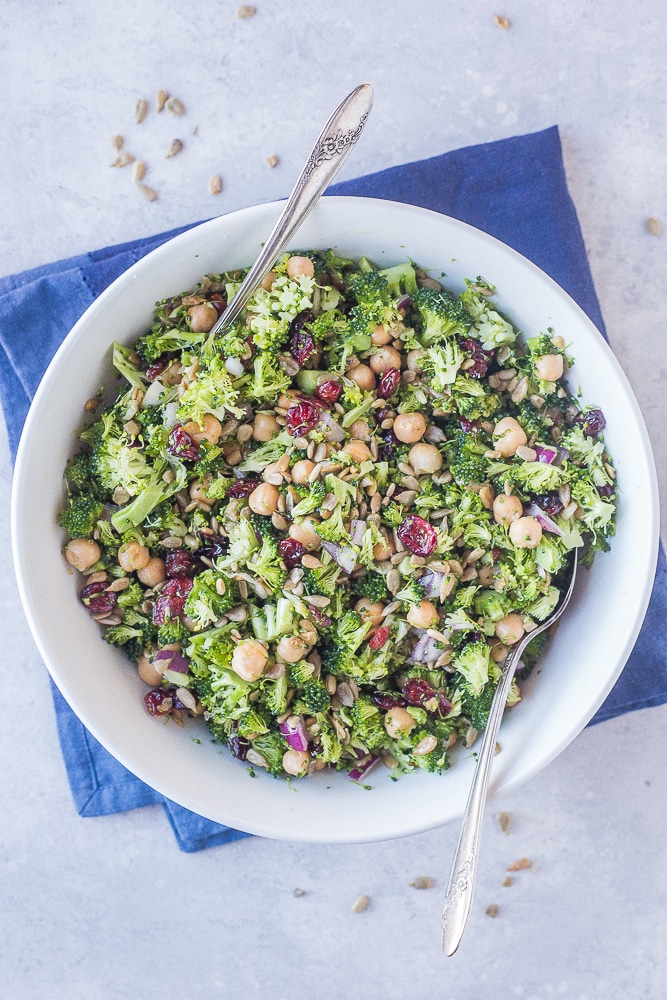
(581, 663)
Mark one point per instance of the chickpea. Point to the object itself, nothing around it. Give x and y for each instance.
(297, 266)
(526, 533)
(292, 648)
(499, 651)
(268, 279)
(203, 317)
(296, 762)
(197, 490)
(549, 367)
(272, 470)
(132, 555)
(384, 359)
(413, 360)
(397, 721)
(384, 550)
(370, 610)
(363, 376)
(172, 374)
(506, 509)
(286, 399)
(210, 429)
(154, 572)
(409, 427)
(304, 532)
(265, 427)
(381, 336)
(360, 430)
(82, 553)
(249, 659)
(147, 672)
(511, 436)
(264, 499)
(510, 629)
(358, 451)
(301, 470)
(423, 615)
(424, 458)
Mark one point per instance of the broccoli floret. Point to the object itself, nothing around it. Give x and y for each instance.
(163, 517)
(322, 580)
(372, 586)
(442, 314)
(267, 380)
(477, 706)
(266, 453)
(435, 762)
(374, 302)
(118, 635)
(534, 477)
(466, 459)
(316, 697)
(368, 724)
(392, 515)
(598, 513)
(172, 631)
(274, 695)
(531, 419)
(80, 516)
(233, 343)
(411, 593)
(333, 529)
(211, 392)
(264, 525)
(273, 620)
(132, 596)
(251, 722)
(205, 604)
(401, 280)
(272, 748)
(300, 673)
(271, 312)
(350, 633)
(153, 493)
(80, 476)
(121, 360)
(312, 499)
(489, 326)
(474, 665)
(158, 342)
(266, 564)
(441, 363)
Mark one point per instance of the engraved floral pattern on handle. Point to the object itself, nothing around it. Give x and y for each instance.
(460, 884)
(334, 145)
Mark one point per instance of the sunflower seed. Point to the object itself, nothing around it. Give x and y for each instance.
(422, 883)
(140, 111)
(138, 171)
(148, 192)
(245, 10)
(501, 21)
(122, 583)
(361, 904)
(279, 522)
(520, 390)
(654, 226)
(175, 106)
(393, 581)
(492, 910)
(504, 821)
(256, 758)
(425, 746)
(272, 161)
(330, 684)
(160, 100)
(175, 148)
(317, 600)
(122, 160)
(215, 184)
(520, 865)
(311, 562)
(345, 695)
(526, 454)
(117, 143)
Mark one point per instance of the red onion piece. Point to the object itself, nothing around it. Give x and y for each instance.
(344, 555)
(532, 510)
(172, 660)
(357, 530)
(364, 766)
(295, 735)
(331, 430)
(544, 453)
(431, 582)
(403, 302)
(425, 651)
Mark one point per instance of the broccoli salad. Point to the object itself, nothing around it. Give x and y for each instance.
(324, 529)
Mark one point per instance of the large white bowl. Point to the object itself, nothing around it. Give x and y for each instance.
(581, 664)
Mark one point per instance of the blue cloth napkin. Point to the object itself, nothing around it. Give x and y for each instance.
(514, 189)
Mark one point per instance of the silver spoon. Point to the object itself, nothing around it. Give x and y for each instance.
(461, 887)
(327, 156)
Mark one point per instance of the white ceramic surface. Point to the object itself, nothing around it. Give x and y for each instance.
(581, 663)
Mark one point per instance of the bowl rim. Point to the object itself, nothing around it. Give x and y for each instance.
(577, 721)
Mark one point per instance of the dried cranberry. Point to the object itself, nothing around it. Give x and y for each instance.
(301, 342)
(495, 553)
(98, 599)
(319, 617)
(606, 490)
(302, 418)
(239, 746)
(592, 422)
(242, 488)
(166, 608)
(179, 562)
(468, 426)
(213, 546)
(329, 392)
(219, 301)
(181, 445)
(417, 691)
(177, 587)
(388, 384)
(156, 368)
(386, 700)
(481, 359)
(291, 552)
(444, 705)
(386, 450)
(378, 639)
(417, 535)
(550, 503)
(162, 701)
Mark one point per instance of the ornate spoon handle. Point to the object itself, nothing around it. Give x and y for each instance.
(461, 887)
(326, 158)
